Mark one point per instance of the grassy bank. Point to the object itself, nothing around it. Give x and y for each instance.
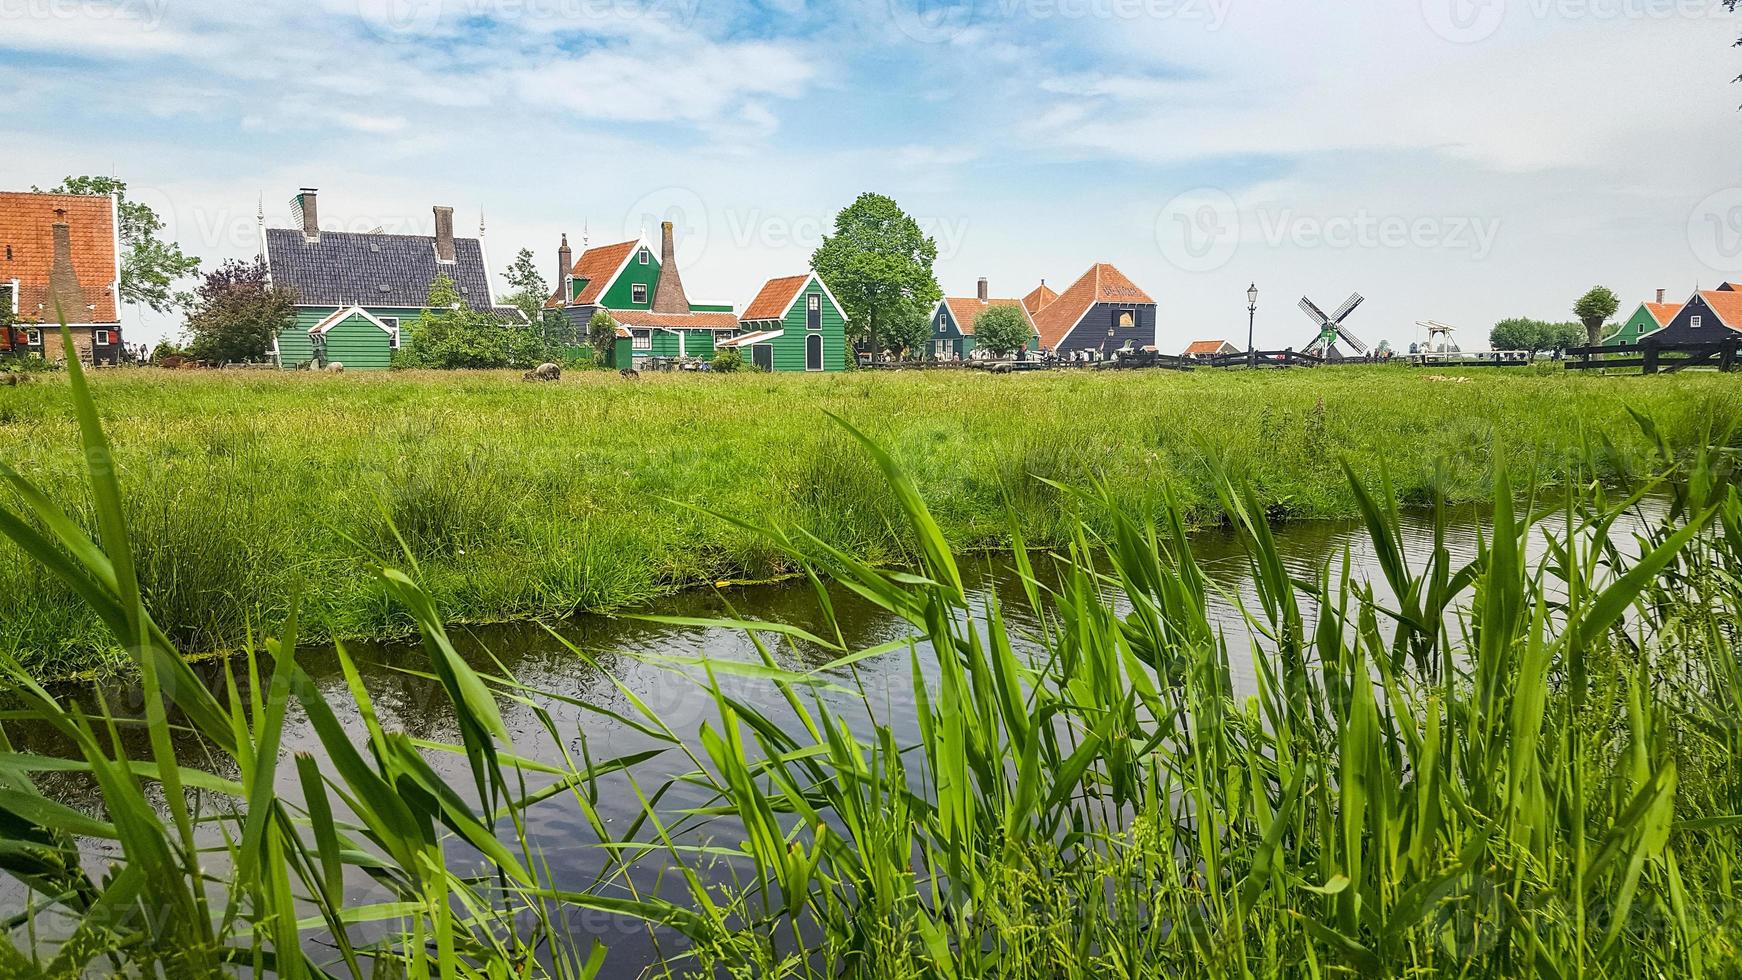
(531, 500)
(1517, 768)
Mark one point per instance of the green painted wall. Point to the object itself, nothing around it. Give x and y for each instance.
(359, 345)
(621, 294)
(294, 349)
(1637, 326)
(789, 347)
(696, 343)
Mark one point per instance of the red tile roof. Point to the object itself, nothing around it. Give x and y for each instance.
(1037, 300)
(687, 321)
(1727, 304)
(596, 265)
(967, 309)
(775, 298)
(27, 253)
(1206, 347)
(1101, 284)
(1663, 312)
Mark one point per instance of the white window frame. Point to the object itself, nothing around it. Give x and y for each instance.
(33, 337)
(1695, 322)
(392, 325)
(643, 256)
(637, 292)
(641, 340)
(100, 337)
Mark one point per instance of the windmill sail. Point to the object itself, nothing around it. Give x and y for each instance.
(1313, 311)
(1348, 307)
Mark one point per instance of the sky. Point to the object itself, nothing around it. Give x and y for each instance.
(1454, 160)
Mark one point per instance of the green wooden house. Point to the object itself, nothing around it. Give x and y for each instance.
(643, 292)
(354, 337)
(386, 277)
(1648, 319)
(953, 319)
(794, 324)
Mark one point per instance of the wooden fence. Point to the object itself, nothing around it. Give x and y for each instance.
(1266, 358)
(1652, 358)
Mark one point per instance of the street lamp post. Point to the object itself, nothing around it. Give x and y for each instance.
(1251, 318)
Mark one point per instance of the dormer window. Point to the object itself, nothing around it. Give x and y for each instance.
(638, 291)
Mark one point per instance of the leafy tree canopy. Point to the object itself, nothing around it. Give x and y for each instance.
(602, 336)
(237, 312)
(1594, 309)
(450, 334)
(150, 266)
(1001, 330)
(878, 263)
(1523, 333)
(528, 288)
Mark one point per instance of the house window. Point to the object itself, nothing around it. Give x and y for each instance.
(644, 257)
(1127, 319)
(1694, 323)
(33, 337)
(643, 340)
(101, 338)
(638, 293)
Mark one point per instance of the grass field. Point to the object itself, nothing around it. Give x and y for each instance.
(525, 500)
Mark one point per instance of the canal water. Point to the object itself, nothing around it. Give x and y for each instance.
(615, 657)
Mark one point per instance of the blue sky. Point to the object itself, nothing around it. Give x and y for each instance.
(1456, 160)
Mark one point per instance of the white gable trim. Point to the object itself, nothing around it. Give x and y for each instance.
(752, 339)
(640, 243)
(813, 277)
(341, 315)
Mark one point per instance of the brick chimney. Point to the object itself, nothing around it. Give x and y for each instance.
(983, 289)
(65, 297)
(668, 294)
(444, 234)
(1660, 296)
(565, 263)
(303, 206)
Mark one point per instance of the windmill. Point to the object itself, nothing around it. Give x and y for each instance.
(1331, 328)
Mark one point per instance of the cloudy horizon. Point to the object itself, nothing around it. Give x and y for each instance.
(1454, 160)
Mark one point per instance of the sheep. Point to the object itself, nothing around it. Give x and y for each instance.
(334, 368)
(630, 373)
(544, 372)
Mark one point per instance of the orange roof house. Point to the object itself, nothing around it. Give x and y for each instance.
(60, 256)
(1210, 348)
(953, 321)
(1707, 317)
(1103, 310)
(1038, 298)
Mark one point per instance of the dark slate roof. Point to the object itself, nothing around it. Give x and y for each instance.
(346, 268)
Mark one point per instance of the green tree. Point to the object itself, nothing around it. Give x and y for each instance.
(529, 290)
(602, 337)
(1594, 309)
(1001, 330)
(879, 264)
(237, 312)
(1518, 333)
(150, 266)
(450, 334)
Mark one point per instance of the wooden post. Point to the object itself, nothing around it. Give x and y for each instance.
(1650, 360)
(1727, 360)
